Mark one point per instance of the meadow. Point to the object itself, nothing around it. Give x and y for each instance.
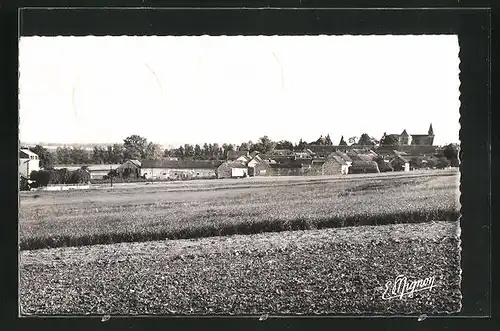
(182, 210)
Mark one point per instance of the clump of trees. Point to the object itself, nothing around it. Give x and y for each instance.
(43, 178)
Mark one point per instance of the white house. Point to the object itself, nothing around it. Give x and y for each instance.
(28, 162)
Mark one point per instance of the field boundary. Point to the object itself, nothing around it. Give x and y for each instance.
(226, 229)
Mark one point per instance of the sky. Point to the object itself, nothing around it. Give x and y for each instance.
(196, 89)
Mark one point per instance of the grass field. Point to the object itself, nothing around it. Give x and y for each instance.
(132, 213)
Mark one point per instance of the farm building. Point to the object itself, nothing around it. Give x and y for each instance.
(287, 168)
(97, 171)
(243, 156)
(258, 167)
(183, 169)
(335, 165)
(361, 154)
(400, 163)
(361, 167)
(129, 169)
(28, 162)
(232, 169)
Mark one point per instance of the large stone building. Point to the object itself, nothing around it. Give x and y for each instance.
(413, 139)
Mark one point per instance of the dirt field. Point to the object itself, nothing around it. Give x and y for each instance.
(328, 271)
(177, 210)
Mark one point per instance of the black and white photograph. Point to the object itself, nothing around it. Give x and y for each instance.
(260, 175)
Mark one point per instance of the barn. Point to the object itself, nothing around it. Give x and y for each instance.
(182, 169)
(232, 169)
(258, 167)
(335, 165)
(129, 169)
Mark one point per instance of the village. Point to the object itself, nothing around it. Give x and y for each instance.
(400, 152)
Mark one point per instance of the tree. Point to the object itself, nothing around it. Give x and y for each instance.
(366, 140)
(47, 159)
(153, 151)
(135, 147)
(179, 152)
(301, 145)
(284, 144)
(244, 147)
(41, 178)
(353, 140)
(198, 152)
(442, 163)
(264, 145)
(78, 156)
(342, 142)
(99, 155)
(328, 140)
(389, 140)
(188, 151)
(451, 153)
(63, 155)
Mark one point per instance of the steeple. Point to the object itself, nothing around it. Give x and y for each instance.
(431, 131)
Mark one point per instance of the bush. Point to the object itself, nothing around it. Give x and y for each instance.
(41, 178)
(442, 163)
(23, 184)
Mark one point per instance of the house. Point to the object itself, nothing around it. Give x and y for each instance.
(305, 154)
(232, 169)
(28, 162)
(400, 163)
(405, 139)
(360, 167)
(258, 167)
(182, 169)
(282, 152)
(287, 168)
(335, 165)
(361, 154)
(237, 155)
(346, 158)
(322, 150)
(131, 168)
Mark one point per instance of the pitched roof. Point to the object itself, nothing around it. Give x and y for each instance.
(136, 162)
(336, 158)
(90, 167)
(233, 155)
(322, 149)
(235, 164)
(181, 164)
(28, 152)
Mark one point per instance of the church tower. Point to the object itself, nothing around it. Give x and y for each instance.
(431, 136)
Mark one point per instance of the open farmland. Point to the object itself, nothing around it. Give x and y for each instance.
(224, 207)
(328, 271)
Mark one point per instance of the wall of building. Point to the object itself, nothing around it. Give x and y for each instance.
(26, 166)
(168, 173)
(225, 170)
(332, 168)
